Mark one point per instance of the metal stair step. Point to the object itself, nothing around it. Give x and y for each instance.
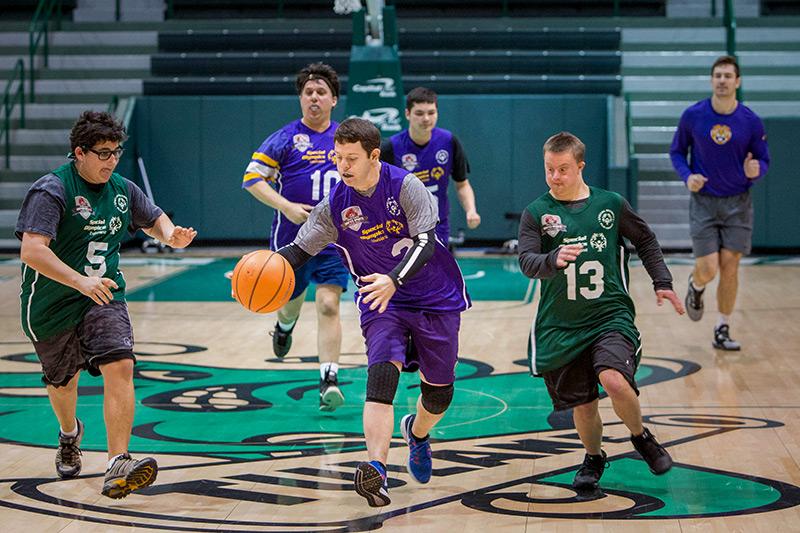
(9, 244)
(664, 216)
(55, 149)
(672, 233)
(671, 188)
(661, 201)
(8, 217)
(42, 164)
(659, 161)
(40, 136)
(61, 111)
(19, 176)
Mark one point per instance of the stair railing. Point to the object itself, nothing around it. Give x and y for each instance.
(39, 31)
(633, 163)
(10, 99)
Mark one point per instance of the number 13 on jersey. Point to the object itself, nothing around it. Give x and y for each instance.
(591, 290)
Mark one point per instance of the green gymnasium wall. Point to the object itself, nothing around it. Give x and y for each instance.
(196, 149)
(776, 196)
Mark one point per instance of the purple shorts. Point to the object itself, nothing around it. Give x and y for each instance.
(435, 342)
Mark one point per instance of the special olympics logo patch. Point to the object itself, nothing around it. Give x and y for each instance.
(302, 142)
(409, 161)
(121, 203)
(606, 219)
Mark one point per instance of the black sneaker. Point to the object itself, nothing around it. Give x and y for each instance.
(590, 472)
(330, 396)
(127, 474)
(694, 301)
(656, 457)
(723, 341)
(370, 482)
(68, 455)
(281, 341)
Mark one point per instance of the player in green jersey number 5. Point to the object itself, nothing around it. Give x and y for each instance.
(584, 334)
(71, 224)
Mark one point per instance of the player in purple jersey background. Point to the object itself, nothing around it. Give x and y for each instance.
(410, 295)
(433, 155)
(291, 172)
(728, 155)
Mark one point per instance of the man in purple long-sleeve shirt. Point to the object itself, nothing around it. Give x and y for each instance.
(728, 154)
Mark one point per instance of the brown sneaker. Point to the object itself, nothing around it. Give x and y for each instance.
(68, 455)
(127, 474)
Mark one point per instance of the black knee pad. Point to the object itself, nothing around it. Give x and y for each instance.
(435, 399)
(382, 381)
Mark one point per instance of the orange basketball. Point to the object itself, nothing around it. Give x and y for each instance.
(262, 281)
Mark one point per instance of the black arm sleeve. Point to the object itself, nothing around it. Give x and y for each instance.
(636, 230)
(460, 163)
(532, 261)
(416, 257)
(295, 255)
(387, 152)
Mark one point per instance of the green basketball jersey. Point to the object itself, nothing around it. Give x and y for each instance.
(88, 240)
(590, 296)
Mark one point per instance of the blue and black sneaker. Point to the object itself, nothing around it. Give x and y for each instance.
(419, 452)
(370, 482)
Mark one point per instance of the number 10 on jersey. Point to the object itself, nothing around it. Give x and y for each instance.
(321, 184)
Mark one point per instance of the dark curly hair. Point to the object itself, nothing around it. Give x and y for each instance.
(96, 127)
(318, 71)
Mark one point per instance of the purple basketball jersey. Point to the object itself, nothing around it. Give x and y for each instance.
(306, 171)
(433, 164)
(373, 237)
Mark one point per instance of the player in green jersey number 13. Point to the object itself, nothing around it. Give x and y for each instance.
(572, 238)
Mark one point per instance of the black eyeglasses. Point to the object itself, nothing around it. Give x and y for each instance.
(105, 155)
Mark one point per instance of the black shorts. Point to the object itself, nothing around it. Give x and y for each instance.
(103, 336)
(576, 383)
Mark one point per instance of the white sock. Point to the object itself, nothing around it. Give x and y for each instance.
(72, 433)
(697, 287)
(287, 326)
(324, 367)
(723, 320)
(111, 461)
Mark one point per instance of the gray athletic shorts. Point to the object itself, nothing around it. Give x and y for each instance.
(103, 336)
(721, 222)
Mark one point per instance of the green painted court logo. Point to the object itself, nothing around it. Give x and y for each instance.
(256, 436)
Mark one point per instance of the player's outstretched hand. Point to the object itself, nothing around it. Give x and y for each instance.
(379, 291)
(181, 237)
(663, 294)
(98, 289)
(568, 253)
